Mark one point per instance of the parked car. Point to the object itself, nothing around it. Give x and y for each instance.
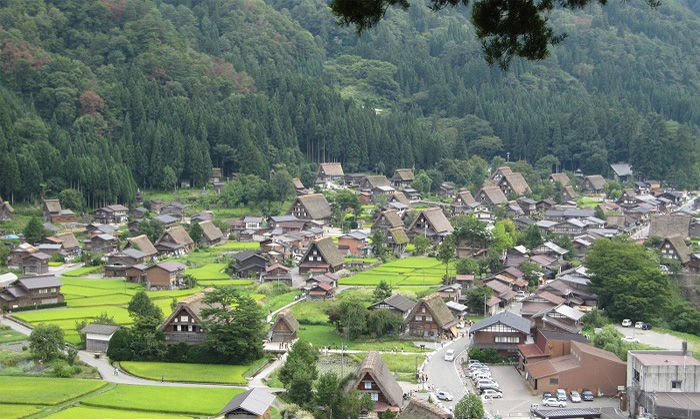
(546, 395)
(561, 395)
(520, 294)
(450, 355)
(587, 394)
(492, 393)
(638, 325)
(473, 362)
(444, 395)
(626, 323)
(553, 402)
(646, 326)
(631, 339)
(575, 397)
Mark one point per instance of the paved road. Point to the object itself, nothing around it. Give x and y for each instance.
(445, 375)
(652, 338)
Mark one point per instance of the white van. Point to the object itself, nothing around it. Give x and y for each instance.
(450, 355)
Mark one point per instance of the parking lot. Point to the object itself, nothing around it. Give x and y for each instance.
(518, 397)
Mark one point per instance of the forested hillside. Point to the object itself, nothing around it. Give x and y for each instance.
(106, 96)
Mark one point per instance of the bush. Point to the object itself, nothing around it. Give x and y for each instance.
(273, 289)
(119, 346)
(35, 307)
(485, 355)
(62, 370)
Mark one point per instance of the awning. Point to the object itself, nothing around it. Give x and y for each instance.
(454, 331)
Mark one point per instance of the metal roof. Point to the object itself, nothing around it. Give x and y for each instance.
(256, 401)
(506, 318)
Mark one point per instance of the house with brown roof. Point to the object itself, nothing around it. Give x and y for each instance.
(398, 304)
(503, 331)
(374, 378)
(102, 243)
(356, 244)
(284, 329)
(584, 367)
(6, 211)
(35, 263)
(321, 256)
(386, 220)
(69, 244)
(462, 202)
(277, 273)
(561, 178)
(311, 207)
(490, 196)
(403, 178)
(143, 244)
(30, 291)
(378, 186)
(666, 226)
(165, 275)
(212, 235)
(593, 184)
(548, 344)
(185, 324)
(118, 262)
(53, 212)
(446, 189)
(420, 409)
(514, 183)
(559, 318)
(330, 172)
(17, 254)
(674, 248)
(430, 317)
(175, 242)
(115, 213)
(568, 193)
(500, 173)
(432, 223)
(321, 291)
(539, 301)
(249, 264)
(398, 197)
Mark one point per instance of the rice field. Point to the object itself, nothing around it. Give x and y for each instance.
(82, 271)
(189, 372)
(17, 411)
(84, 412)
(414, 271)
(43, 390)
(212, 271)
(231, 246)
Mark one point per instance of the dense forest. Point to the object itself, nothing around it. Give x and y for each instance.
(107, 96)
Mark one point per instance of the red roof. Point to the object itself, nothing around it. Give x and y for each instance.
(530, 350)
(324, 286)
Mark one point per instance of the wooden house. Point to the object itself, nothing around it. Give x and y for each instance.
(430, 317)
(593, 184)
(115, 213)
(386, 220)
(432, 223)
(102, 244)
(674, 248)
(395, 303)
(143, 244)
(321, 256)
(421, 409)
(500, 173)
(53, 212)
(491, 195)
(403, 178)
(184, 325)
(396, 240)
(97, 336)
(513, 183)
(249, 264)
(503, 331)
(568, 193)
(212, 235)
(30, 291)
(321, 291)
(622, 172)
(311, 207)
(354, 244)
(330, 172)
(561, 178)
(18, 254)
(118, 262)
(559, 318)
(70, 246)
(446, 189)
(284, 329)
(252, 404)
(175, 209)
(175, 242)
(35, 263)
(277, 273)
(165, 275)
(462, 202)
(374, 377)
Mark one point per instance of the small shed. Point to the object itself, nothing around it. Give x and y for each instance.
(284, 330)
(252, 404)
(97, 336)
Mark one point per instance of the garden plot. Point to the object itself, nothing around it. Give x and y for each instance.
(176, 400)
(17, 411)
(44, 391)
(212, 271)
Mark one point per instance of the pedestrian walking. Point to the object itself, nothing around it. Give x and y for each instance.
(162, 378)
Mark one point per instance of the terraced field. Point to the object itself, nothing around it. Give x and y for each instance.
(413, 271)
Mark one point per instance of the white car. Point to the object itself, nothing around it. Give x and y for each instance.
(492, 393)
(626, 323)
(450, 355)
(553, 402)
(638, 325)
(443, 395)
(631, 339)
(575, 397)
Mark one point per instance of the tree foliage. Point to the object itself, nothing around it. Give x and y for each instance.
(469, 407)
(46, 341)
(299, 373)
(34, 231)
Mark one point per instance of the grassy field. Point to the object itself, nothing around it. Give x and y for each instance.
(396, 362)
(274, 303)
(9, 336)
(83, 412)
(235, 246)
(16, 411)
(188, 372)
(311, 312)
(82, 271)
(237, 282)
(413, 271)
(177, 400)
(322, 335)
(212, 271)
(44, 391)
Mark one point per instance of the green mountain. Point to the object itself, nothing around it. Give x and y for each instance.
(106, 96)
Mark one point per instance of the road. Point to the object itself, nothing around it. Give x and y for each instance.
(652, 338)
(445, 375)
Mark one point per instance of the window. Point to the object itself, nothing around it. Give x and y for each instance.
(43, 291)
(554, 381)
(422, 309)
(184, 318)
(428, 318)
(676, 384)
(419, 318)
(368, 384)
(507, 339)
(375, 396)
(53, 290)
(635, 375)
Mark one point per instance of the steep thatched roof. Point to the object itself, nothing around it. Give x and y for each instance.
(399, 235)
(210, 230)
(331, 169)
(681, 248)
(440, 312)
(53, 205)
(377, 369)
(178, 234)
(493, 194)
(297, 184)
(287, 317)
(316, 206)
(517, 183)
(375, 181)
(400, 197)
(403, 175)
(193, 303)
(665, 226)
(597, 181)
(143, 244)
(326, 247)
(68, 240)
(436, 219)
(561, 178)
(464, 197)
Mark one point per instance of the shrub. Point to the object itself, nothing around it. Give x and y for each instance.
(485, 355)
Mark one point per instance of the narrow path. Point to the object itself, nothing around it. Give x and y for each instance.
(272, 314)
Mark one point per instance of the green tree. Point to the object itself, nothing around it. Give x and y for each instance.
(196, 232)
(327, 395)
(467, 266)
(299, 373)
(119, 346)
(151, 228)
(478, 296)
(46, 342)
(34, 231)
(421, 243)
(282, 185)
(531, 237)
(378, 246)
(446, 254)
(236, 325)
(469, 407)
(72, 199)
(422, 183)
(384, 321)
(382, 291)
(146, 315)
